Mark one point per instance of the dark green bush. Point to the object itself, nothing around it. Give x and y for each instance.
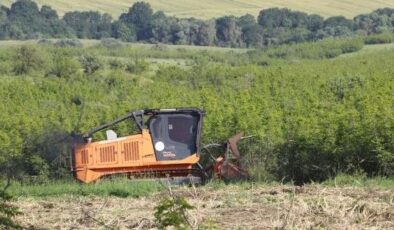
(63, 64)
(27, 59)
(137, 66)
(352, 46)
(90, 63)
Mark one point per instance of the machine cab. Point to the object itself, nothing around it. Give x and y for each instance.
(175, 133)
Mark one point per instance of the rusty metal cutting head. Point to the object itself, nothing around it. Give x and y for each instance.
(229, 167)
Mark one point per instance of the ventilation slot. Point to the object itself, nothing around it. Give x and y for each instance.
(107, 154)
(131, 151)
(84, 157)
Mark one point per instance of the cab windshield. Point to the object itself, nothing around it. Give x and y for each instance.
(175, 136)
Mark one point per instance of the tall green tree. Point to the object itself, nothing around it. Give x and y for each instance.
(253, 36)
(338, 21)
(206, 34)
(315, 22)
(91, 24)
(123, 31)
(246, 20)
(3, 13)
(228, 33)
(140, 16)
(3, 22)
(26, 20)
(25, 14)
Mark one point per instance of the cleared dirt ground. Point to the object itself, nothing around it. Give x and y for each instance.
(223, 207)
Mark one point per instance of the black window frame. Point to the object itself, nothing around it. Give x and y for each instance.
(180, 111)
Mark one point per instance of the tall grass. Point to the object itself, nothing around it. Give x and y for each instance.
(359, 180)
(118, 187)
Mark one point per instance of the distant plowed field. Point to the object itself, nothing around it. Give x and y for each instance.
(229, 207)
(215, 8)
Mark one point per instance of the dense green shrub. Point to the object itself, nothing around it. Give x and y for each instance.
(27, 59)
(312, 117)
(8, 152)
(7, 212)
(137, 66)
(63, 64)
(328, 48)
(90, 63)
(172, 212)
(379, 38)
(352, 46)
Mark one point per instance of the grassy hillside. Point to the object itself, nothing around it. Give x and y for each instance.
(215, 8)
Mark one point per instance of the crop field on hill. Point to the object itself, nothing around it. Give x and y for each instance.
(216, 8)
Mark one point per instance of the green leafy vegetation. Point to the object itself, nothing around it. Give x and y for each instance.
(313, 116)
(27, 59)
(379, 39)
(172, 212)
(8, 211)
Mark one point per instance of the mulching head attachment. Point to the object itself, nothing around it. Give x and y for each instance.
(228, 166)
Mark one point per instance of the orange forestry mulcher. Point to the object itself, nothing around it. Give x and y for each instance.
(166, 146)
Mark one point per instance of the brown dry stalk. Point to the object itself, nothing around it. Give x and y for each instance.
(228, 207)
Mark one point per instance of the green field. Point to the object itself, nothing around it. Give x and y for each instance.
(216, 8)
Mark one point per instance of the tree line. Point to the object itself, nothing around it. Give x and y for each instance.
(25, 20)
